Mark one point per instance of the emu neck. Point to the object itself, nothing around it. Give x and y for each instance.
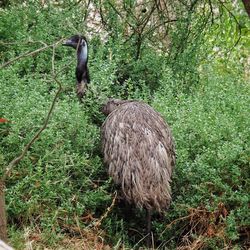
(81, 68)
(82, 55)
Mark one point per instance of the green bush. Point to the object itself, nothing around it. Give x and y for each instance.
(203, 96)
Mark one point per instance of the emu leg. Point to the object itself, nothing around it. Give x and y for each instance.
(149, 228)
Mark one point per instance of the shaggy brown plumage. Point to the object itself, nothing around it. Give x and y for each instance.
(139, 151)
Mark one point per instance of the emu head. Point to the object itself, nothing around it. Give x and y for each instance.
(76, 42)
(79, 43)
(112, 104)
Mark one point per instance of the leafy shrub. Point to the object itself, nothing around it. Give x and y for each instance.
(211, 129)
(61, 181)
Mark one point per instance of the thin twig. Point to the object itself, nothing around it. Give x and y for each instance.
(86, 11)
(237, 23)
(174, 222)
(23, 43)
(26, 54)
(120, 15)
(98, 223)
(146, 19)
(211, 10)
(104, 23)
(14, 162)
(158, 26)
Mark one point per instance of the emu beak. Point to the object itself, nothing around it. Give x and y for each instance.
(67, 43)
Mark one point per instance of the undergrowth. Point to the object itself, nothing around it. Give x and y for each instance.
(56, 195)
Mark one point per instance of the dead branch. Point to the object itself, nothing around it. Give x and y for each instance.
(29, 54)
(120, 15)
(98, 223)
(237, 24)
(14, 162)
(36, 136)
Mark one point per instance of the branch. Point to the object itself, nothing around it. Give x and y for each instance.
(236, 21)
(146, 19)
(211, 10)
(86, 11)
(158, 26)
(24, 42)
(29, 54)
(98, 223)
(104, 23)
(120, 15)
(36, 136)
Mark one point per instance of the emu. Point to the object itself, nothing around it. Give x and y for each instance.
(79, 43)
(139, 151)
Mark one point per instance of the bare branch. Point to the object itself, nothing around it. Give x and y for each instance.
(29, 54)
(120, 15)
(211, 10)
(236, 21)
(98, 223)
(15, 161)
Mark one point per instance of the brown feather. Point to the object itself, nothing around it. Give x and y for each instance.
(138, 148)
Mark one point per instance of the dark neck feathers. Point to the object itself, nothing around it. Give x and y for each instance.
(82, 73)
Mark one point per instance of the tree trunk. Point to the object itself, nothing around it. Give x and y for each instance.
(3, 221)
(247, 6)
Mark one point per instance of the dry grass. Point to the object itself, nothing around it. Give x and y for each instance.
(91, 237)
(203, 225)
(88, 239)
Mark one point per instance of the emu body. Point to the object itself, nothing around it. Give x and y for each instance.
(139, 150)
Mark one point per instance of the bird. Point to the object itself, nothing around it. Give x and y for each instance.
(139, 151)
(79, 43)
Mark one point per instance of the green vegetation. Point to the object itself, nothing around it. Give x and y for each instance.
(193, 69)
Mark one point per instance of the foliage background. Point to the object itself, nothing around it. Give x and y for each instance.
(189, 61)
